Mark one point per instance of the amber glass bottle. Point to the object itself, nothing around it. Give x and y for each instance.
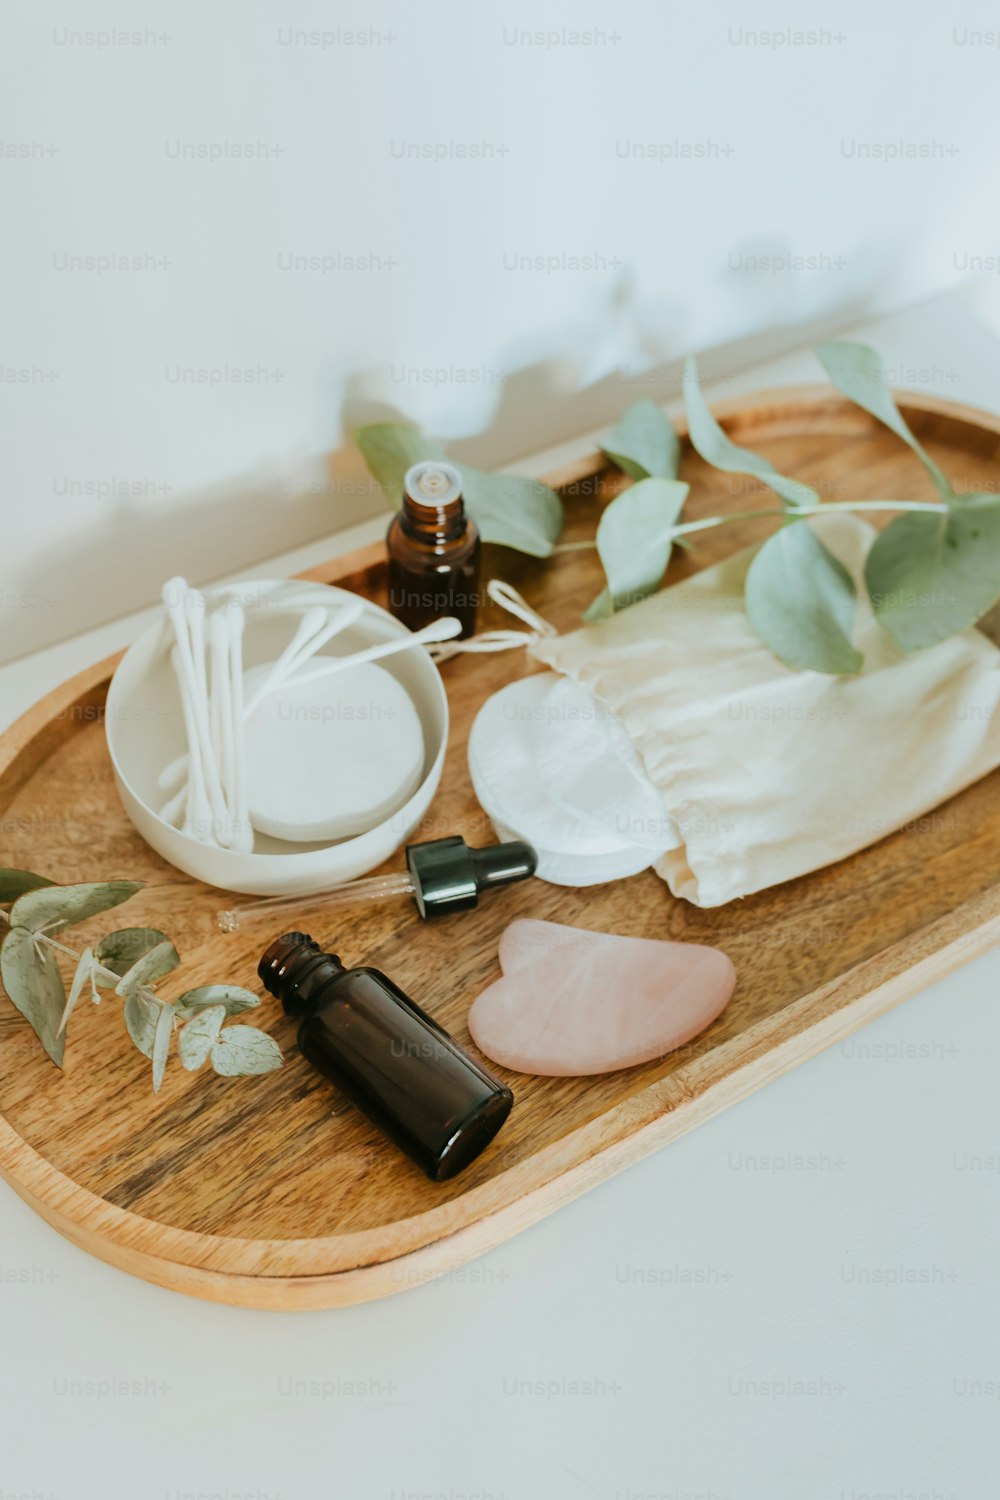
(434, 550)
(396, 1064)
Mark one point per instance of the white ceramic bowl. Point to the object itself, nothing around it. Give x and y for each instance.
(145, 732)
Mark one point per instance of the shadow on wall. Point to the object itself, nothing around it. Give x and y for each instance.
(237, 524)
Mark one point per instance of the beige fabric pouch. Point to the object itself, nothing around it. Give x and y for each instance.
(767, 772)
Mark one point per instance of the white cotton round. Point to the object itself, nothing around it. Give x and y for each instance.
(589, 766)
(331, 758)
(504, 770)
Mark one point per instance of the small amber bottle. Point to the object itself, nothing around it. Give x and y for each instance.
(396, 1064)
(434, 550)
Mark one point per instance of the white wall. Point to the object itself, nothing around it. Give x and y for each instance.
(117, 471)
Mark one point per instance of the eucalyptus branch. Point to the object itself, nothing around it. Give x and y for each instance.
(797, 511)
(933, 571)
(128, 961)
(42, 936)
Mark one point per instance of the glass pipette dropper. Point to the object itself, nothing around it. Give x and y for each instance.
(442, 875)
(376, 888)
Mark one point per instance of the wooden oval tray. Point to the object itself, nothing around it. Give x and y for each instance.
(273, 1192)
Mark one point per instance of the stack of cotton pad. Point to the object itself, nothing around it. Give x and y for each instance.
(331, 758)
(550, 767)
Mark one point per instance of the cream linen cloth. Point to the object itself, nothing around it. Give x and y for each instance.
(767, 772)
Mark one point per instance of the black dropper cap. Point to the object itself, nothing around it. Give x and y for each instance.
(449, 876)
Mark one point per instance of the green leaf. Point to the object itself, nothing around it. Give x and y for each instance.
(856, 370)
(634, 542)
(84, 971)
(389, 448)
(141, 1016)
(150, 967)
(32, 980)
(718, 450)
(230, 996)
(119, 950)
(930, 576)
(508, 508)
(161, 1044)
(64, 905)
(644, 443)
(800, 601)
(198, 1036)
(14, 883)
(513, 511)
(241, 1050)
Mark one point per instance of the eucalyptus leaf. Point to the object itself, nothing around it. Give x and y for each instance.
(161, 1044)
(512, 510)
(32, 980)
(634, 542)
(14, 883)
(231, 997)
(856, 370)
(800, 601)
(147, 969)
(141, 1016)
(930, 576)
(64, 905)
(84, 971)
(508, 509)
(240, 1050)
(198, 1036)
(721, 452)
(644, 443)
(389, 448)
(119, 950)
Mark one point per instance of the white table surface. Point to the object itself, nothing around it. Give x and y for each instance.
(797, 1301)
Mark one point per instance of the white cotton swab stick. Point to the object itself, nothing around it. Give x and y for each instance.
(276, 679)
(313, 622)
(219, 650)
(242, 833)
(305, 643)
(175, 594)
(181, 604)
(197, 624)
(215, 663)
(220, 698)
(198, 816)
(445, 629)
(338, 619)
(194, 615)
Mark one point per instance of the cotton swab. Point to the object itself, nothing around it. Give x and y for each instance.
(222, 711)
(194, 616)
(176, 598)
(198, 815)
(242, 833)
(445, 629)
(305, 642)
(276, 680)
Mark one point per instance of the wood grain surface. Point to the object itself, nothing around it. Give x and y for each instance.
(274, 1192)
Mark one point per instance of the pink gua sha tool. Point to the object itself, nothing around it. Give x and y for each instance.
(573, 1002)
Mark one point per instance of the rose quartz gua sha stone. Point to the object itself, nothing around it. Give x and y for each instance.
(573, 1002)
